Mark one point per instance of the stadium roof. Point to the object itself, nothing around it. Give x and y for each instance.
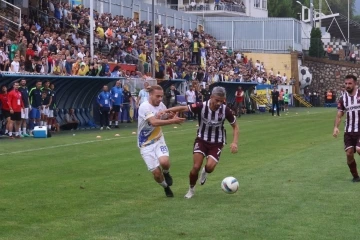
(337, 26)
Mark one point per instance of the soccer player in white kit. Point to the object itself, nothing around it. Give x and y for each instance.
(151, 140)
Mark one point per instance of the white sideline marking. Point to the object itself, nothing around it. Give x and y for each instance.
(109, 139)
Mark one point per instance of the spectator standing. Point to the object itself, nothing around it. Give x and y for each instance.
(25, 113)
(104, 101)
(5, 109)
(239, 99)
(171, 96)
(190, 99)
(117, 101)
(125, 109)
(35, 102)
(16, 106)
(275, 101)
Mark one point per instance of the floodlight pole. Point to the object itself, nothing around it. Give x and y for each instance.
(320, 10)
(92, 29)
(153, 38)
(348, 21)
(312, 13)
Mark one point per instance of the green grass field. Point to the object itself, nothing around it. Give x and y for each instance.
(294, 184)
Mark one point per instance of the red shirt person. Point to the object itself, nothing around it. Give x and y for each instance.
(15, 101)
(16, 105)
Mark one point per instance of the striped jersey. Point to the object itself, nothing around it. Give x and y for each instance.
(351, 106)
(211, 123)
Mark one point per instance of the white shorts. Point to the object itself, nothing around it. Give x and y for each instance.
(25, 113)
(45, 110)
(153, 152)
(51, 114)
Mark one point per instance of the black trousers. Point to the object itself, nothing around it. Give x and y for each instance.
(104, 116)
(69, 126)
(277, 108)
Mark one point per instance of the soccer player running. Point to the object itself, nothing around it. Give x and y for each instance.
(211, 135)
(16, 107)
(349, 103)
(25, 113)
(151, 140)
(117, 102)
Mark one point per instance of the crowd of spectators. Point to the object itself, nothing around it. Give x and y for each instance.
(227, 5)
(58, 43)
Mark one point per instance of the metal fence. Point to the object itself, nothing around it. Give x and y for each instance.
(142, 11)
(269, 35)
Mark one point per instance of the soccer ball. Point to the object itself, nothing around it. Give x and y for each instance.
(305, 77)
(230, 185)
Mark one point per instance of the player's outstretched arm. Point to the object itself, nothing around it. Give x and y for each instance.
(234, 144)
(159, 122)
(177, 109)
(337, 123)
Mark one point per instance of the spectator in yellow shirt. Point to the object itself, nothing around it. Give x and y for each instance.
(82, 71)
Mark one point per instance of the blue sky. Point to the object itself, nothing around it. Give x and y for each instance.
(357, 6)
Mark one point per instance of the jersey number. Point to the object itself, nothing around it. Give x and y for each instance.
(164, 149)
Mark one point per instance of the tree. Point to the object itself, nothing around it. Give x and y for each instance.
(316, 45)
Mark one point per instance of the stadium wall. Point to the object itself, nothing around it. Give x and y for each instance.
(141, 10)
(278, 62)
(265, 35)
(329, 74)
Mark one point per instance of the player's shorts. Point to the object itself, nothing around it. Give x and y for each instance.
(153, 152)
(45, 110)
(16, 116)
(208, 149)
(115, 108)
(25, 113)
(351, 140)
(286, 102)
(51, 114)
(34, 113)
(5, 113)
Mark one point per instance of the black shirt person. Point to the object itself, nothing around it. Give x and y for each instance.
(275, 101)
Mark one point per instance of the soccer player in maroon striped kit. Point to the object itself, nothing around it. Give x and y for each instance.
(211, 135)
(349, 104)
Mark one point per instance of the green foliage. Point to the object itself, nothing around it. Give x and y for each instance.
(316, 45)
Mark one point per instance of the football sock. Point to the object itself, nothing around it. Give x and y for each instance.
(24, 130)
(193, 179)
(110, 123)
(6, 131)
(10, 134)
(41, 123)
(353, 169)
(165, 171)
(163, 184)
(49, 127)
(116, 123)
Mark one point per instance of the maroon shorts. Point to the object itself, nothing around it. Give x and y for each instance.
(208, 149)
(351, 140)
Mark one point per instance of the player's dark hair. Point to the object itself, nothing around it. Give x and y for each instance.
(39, 81)
(47, 81)
(350, 76)
(155, 87)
